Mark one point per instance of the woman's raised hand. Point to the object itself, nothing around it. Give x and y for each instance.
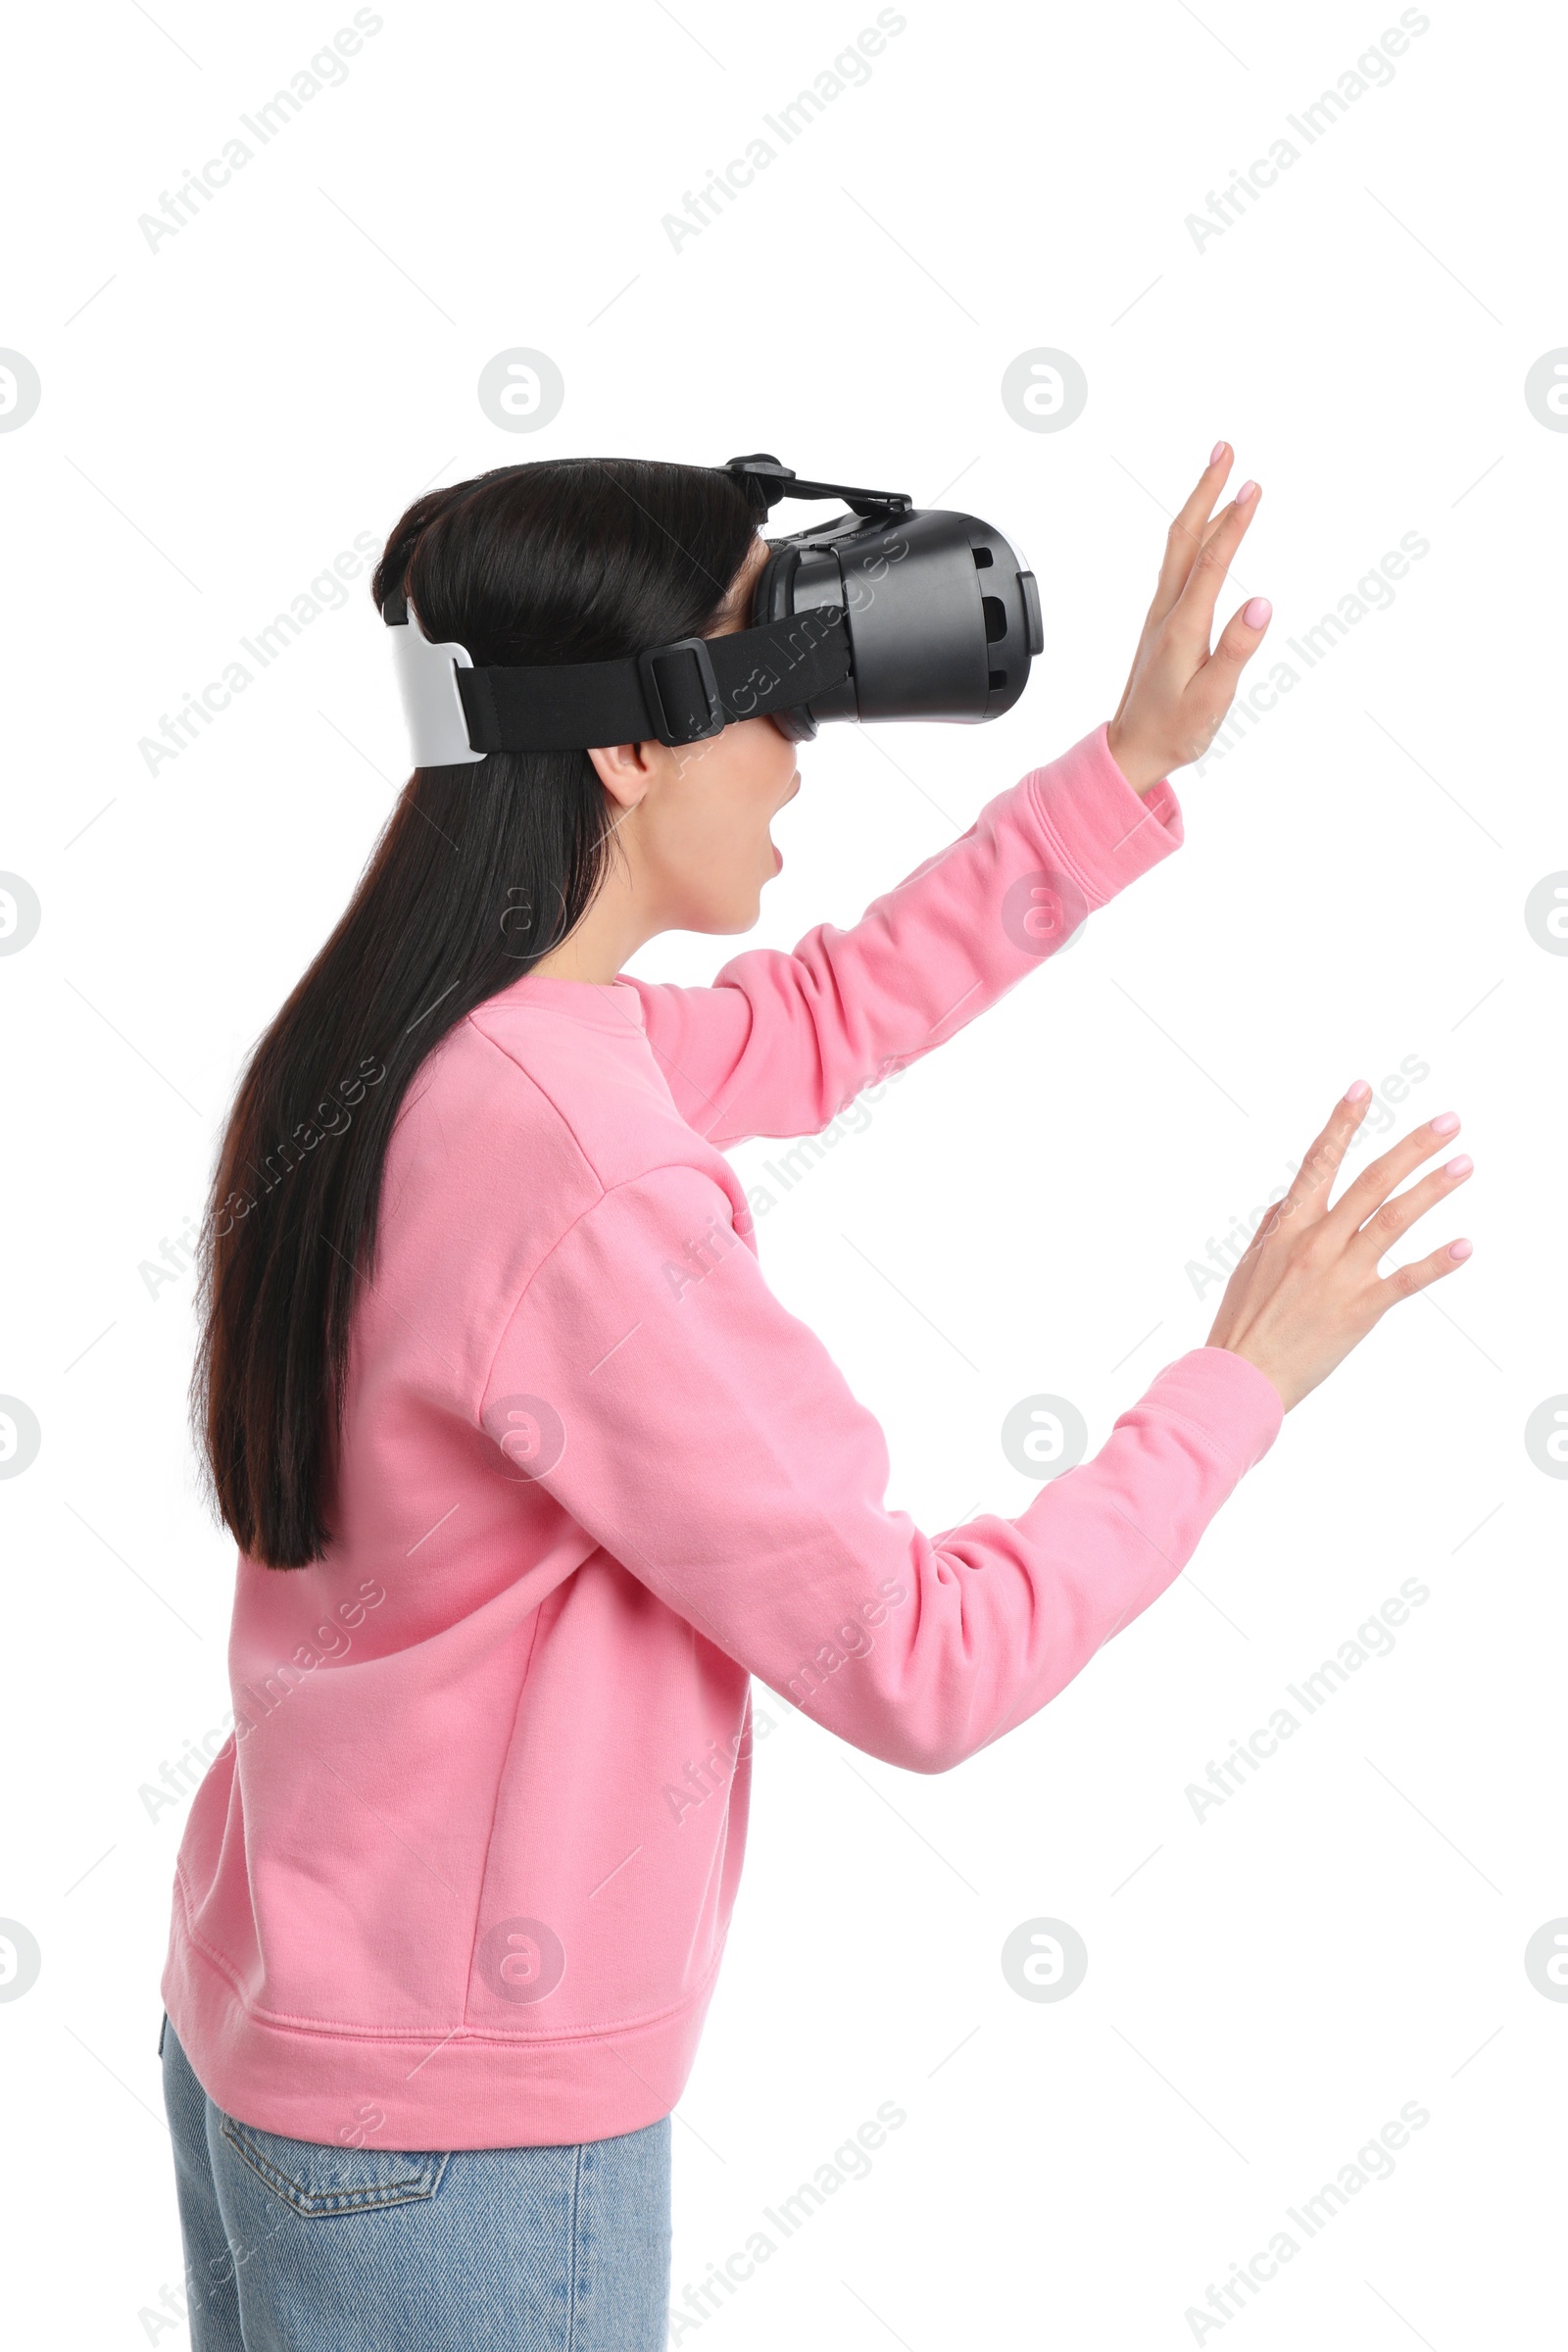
(1308, 1287)
(1178, 691)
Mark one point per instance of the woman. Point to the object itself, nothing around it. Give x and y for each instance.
(530, 1470)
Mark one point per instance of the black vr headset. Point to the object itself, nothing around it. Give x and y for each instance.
(891, 610)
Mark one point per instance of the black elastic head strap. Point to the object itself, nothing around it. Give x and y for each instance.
(678, 692)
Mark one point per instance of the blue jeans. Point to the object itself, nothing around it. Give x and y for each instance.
(293, 2246)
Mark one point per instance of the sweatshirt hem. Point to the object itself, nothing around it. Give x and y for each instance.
(466, 2090)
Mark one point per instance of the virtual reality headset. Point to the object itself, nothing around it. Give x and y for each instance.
(890, 611)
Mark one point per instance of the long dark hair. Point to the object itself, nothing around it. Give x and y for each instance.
(480, 871)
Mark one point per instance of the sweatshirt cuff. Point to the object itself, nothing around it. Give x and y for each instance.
(1101, 832)
(1229, 1401)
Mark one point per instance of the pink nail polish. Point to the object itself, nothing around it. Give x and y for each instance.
(1460, 1167)
(1446, 1122)
(1216, 453)
(1357, 1091)
(1246, 494)
(1257, 612)
(1459, 1249)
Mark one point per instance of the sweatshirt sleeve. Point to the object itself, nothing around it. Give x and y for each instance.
(781, 1042)
(650, 1381)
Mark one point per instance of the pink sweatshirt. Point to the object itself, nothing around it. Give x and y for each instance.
(462, 1874)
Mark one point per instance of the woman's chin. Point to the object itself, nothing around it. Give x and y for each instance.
(725, 923)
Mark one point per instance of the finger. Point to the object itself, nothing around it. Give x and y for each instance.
(1242, 636)
(1375, 1183)
(1211, 528)
(1405, 1281)
(1402, 1210)
(1187, 532)
(1194, 609)
(1307, 1199)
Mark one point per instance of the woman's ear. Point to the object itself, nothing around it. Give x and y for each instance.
(625, 770)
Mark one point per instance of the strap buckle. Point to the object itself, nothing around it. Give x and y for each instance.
(672, 701)
(775, 482)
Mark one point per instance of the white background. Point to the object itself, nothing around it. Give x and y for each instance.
(221, 416)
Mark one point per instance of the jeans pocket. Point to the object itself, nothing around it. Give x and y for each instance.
(315, 2177)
